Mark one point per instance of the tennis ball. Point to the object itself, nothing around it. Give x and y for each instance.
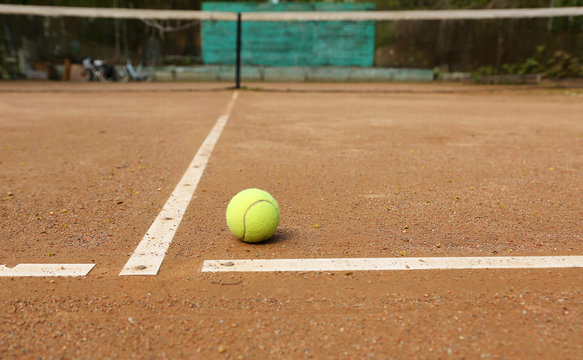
(252, 215)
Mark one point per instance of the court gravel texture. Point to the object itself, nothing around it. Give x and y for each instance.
(404, 171)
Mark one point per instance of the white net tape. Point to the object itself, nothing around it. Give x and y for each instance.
(56, 11)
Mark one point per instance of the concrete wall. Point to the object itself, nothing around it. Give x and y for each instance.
(294, 73)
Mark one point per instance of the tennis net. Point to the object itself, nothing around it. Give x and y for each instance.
(282, 46)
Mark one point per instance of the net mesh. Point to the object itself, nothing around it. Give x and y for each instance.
(340, 44)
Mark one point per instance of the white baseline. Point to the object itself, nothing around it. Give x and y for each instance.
(403, 263)
(148, 256)
(43, 270)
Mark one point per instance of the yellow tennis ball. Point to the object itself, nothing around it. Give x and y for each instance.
(252, 215)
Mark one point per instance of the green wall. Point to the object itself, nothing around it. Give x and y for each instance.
(305, 43)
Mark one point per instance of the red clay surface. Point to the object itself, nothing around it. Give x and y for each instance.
(411, 170)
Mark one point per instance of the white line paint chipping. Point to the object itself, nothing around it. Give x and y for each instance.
(42, 270)
(404, 263)
(148, 256)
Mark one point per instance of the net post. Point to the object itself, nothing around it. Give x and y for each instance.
(238, 61)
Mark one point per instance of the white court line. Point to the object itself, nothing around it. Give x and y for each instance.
(148, 256)
(46, 270)
(403, 263)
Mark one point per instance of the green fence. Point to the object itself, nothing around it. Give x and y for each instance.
(300, 43)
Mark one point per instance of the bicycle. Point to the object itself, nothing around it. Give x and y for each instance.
(140, 73)
(94, 69)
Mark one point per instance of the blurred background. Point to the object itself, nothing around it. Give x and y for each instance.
(38, 47)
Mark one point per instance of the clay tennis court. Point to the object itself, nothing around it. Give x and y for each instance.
(367, 171)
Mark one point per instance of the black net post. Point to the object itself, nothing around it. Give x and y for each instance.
(238, 61)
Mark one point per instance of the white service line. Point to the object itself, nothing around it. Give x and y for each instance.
(46, 270)
(403, 263)
(148, 256)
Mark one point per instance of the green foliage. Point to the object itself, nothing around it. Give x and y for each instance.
(564, 65)
(571, 23)
(385, 33)
(469, 4)
(560, 65)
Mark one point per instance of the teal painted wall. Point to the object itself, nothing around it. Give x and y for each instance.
(303, 43)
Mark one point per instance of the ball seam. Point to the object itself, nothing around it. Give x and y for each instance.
(245, 215)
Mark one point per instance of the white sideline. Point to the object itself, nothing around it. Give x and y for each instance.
(148, 256)
(402, 263)
(46, 270)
